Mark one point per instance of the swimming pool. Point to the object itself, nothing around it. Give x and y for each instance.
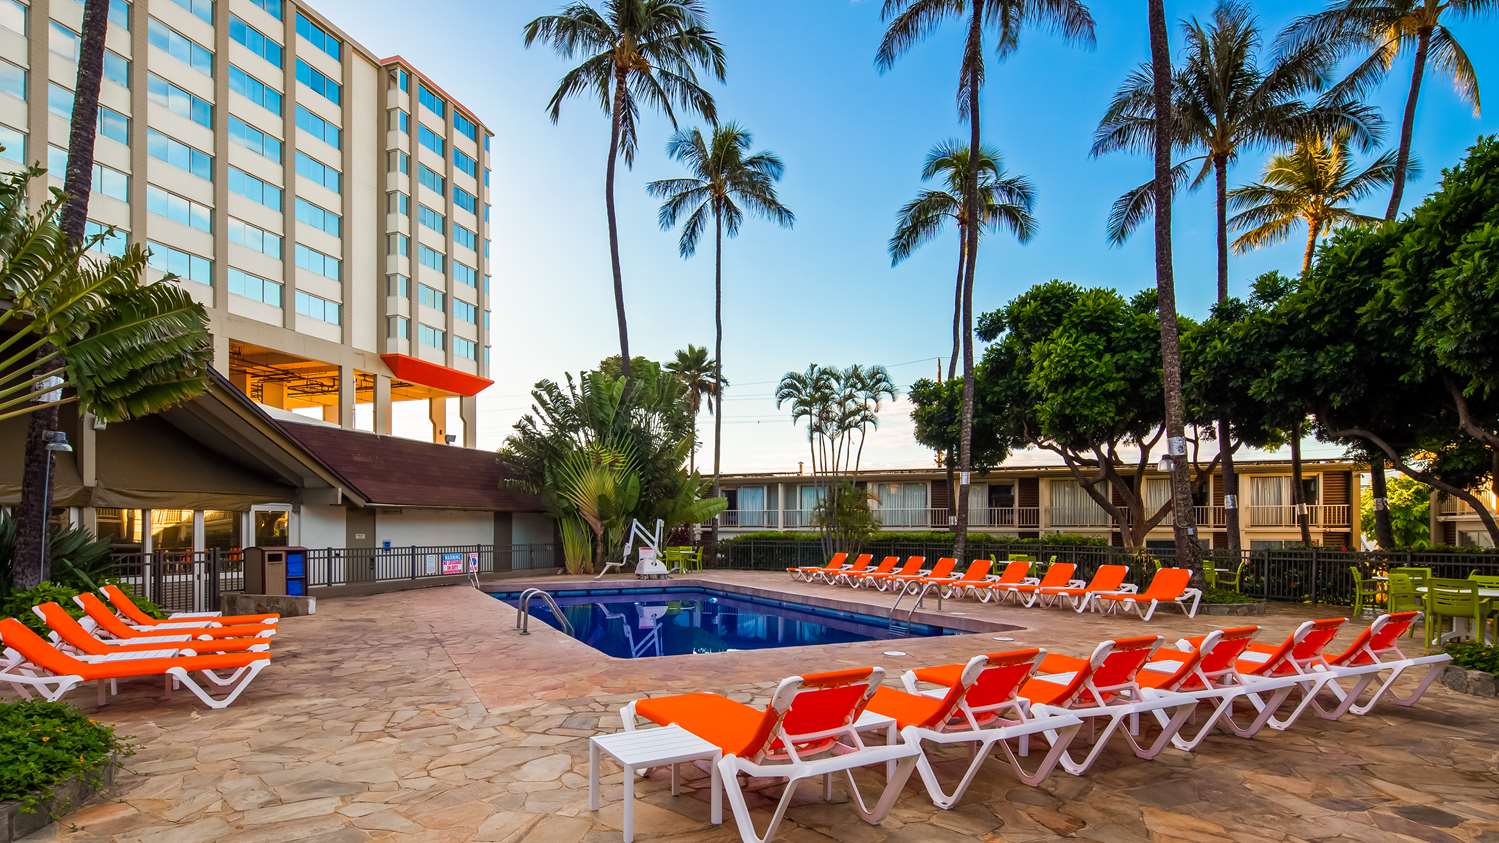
(645, 622)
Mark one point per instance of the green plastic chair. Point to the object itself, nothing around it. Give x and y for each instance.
(1233, 583)
(1419, 573)
(1485, 582)
(1404, 597)
(1448, 598)
(1363, 590)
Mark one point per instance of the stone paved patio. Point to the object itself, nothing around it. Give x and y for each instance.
(424, 716)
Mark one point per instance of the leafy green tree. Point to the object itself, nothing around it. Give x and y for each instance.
(909, 21)
(634, 52)
(699, 376)
(1410, 512)
(723, 181)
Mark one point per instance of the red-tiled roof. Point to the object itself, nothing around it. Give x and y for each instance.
(392, 471)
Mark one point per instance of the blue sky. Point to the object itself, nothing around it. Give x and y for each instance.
(801, 77)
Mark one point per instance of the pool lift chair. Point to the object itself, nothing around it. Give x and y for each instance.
(650, 566)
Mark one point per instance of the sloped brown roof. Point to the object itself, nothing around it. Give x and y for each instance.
(393, 471)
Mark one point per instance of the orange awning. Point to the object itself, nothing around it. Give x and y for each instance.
(435, 375)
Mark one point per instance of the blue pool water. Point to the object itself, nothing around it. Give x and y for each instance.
(644, 622)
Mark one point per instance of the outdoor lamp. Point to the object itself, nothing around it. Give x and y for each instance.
(57, 443)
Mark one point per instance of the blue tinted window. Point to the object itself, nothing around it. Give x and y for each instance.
(255, 238)
(319, 128)
(179, 154)
(180, 47)
(254, 139)
(320, 84)
(431, 101)
(255, 41)
(114, 241)
(254, 90)
(184, 265)
(465, 163)
(465, 274)
(202, 8)
(431, 219)
(465, 200)
(178, 209)
(319, 172)
(319, 217)
(431, 258)
(430, 139)
(465, 237)
(255, 288)
(320, 39)
(270, 7)
(178, 101)
(465, 125)
(317, 307)
(429, 177)
(313, 260)
(254, 189)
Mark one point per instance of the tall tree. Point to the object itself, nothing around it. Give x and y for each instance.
(723, 180)
(36, 498)
(699, 374)
(1182, 516)
(1225, 100)
(909, 22)
(634, 51)
(1314, 184)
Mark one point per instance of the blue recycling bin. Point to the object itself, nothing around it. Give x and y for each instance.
(296, 572)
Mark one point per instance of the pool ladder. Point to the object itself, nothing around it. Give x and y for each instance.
(523, 617)
(899, 627)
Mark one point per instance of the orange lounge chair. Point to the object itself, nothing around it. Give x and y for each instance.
(1269, 674)
(95, 608)
(853, 578)
(1058, 576)
(1013, 575)
(1374, 652)
(38, 667)
(1107, 579)
(1205, 672)
(806, 732)
(972, 712)
(807, 570)
(1169, 585)
(954, 585)
(912, 568)
(72, 635)
(132, 613)
(861, 563)
(940, 571)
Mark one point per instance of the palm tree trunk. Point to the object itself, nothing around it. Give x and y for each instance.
(31, 548)
(1227, 473)
(1311, 247)
(1408, 123)
(619, 282)
(1183, 528)
(717, 345)
(1298, 493)
(973, 58)
(957, 302)
(1384, 531)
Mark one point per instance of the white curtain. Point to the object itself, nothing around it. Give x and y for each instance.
(902, 504)
(1270, 501)
(1157, 492)
(752, 506)
(1072, 507)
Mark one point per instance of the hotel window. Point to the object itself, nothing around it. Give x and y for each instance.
(486, 177)
(320, 84)
(180, 47)
(464, 348)
(63, 41)
(112, 124)
(113, 242)
(317, 307)
(431, 219)
(465, 312)
(119, 13)
(464, 237)
(254, 189)
(465, 200)
(431, 258)
(178, 101)
(398, 327)
(465, 274)
(319, 38)
(429, 178)
(254, 238)
(430, 297)
(312, 260)
(398, 120)
(430, 139)
(178, 209)
(117, 69)
(431, 101)
(400, 162)
(397, 202)
(13, 79)
(319, 217)
(255, 41)
(13, 16)
(311, 168)
(107, 181)
(179, 154)
(203, 9)
(486, 143)
(254, 139)
(182, 264)
(435, 337)
(465, 125)
(255, 288)
(397, 285)
(400, 245)
(254, 90)
(270, 7)
(319, 128)
(465, 163)
(222, 530)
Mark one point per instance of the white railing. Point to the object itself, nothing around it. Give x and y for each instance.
(910, 517)
(1005, 516)
(1284, 515)
(1086, 515)
(764, 518)
(792, 519)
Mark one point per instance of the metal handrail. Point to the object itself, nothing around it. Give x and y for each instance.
(911, 613)
(523, 618)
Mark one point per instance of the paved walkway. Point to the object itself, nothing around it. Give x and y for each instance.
(424, 716)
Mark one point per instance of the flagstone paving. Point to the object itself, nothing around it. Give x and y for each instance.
(423, 715)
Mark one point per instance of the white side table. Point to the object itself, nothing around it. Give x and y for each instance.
(644, 748)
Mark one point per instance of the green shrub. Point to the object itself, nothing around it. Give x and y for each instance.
(18, 604)
(43, 744)
(78, 559)
(1473, 655)
(1224, 595)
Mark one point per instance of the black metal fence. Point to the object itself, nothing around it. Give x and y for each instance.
(181, 581)
(339, 566)
(1300, 574)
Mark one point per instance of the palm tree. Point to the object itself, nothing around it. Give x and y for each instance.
(1006, 201)
(723, 180)
(634, 51)
(1313, 184)
(909, 22)
(1223, 103)
(700, 376)
(1182, 515)
(1379, 31)
(874, 386)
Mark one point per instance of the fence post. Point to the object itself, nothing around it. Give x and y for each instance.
(1314, 576)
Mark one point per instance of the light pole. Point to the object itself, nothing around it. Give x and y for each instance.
(57, 443)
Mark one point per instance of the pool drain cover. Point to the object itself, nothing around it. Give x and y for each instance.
(1003, 638)
(893, 653)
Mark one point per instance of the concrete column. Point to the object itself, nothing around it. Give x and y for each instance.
(220, 336)
(241, 381)
(347, 383)
(437, 411)
(38, 57)
(273, 394)
(289, 171)
(382, 404)
(468, 411)
(86, 452)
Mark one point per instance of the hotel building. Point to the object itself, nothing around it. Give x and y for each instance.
(329, 207)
